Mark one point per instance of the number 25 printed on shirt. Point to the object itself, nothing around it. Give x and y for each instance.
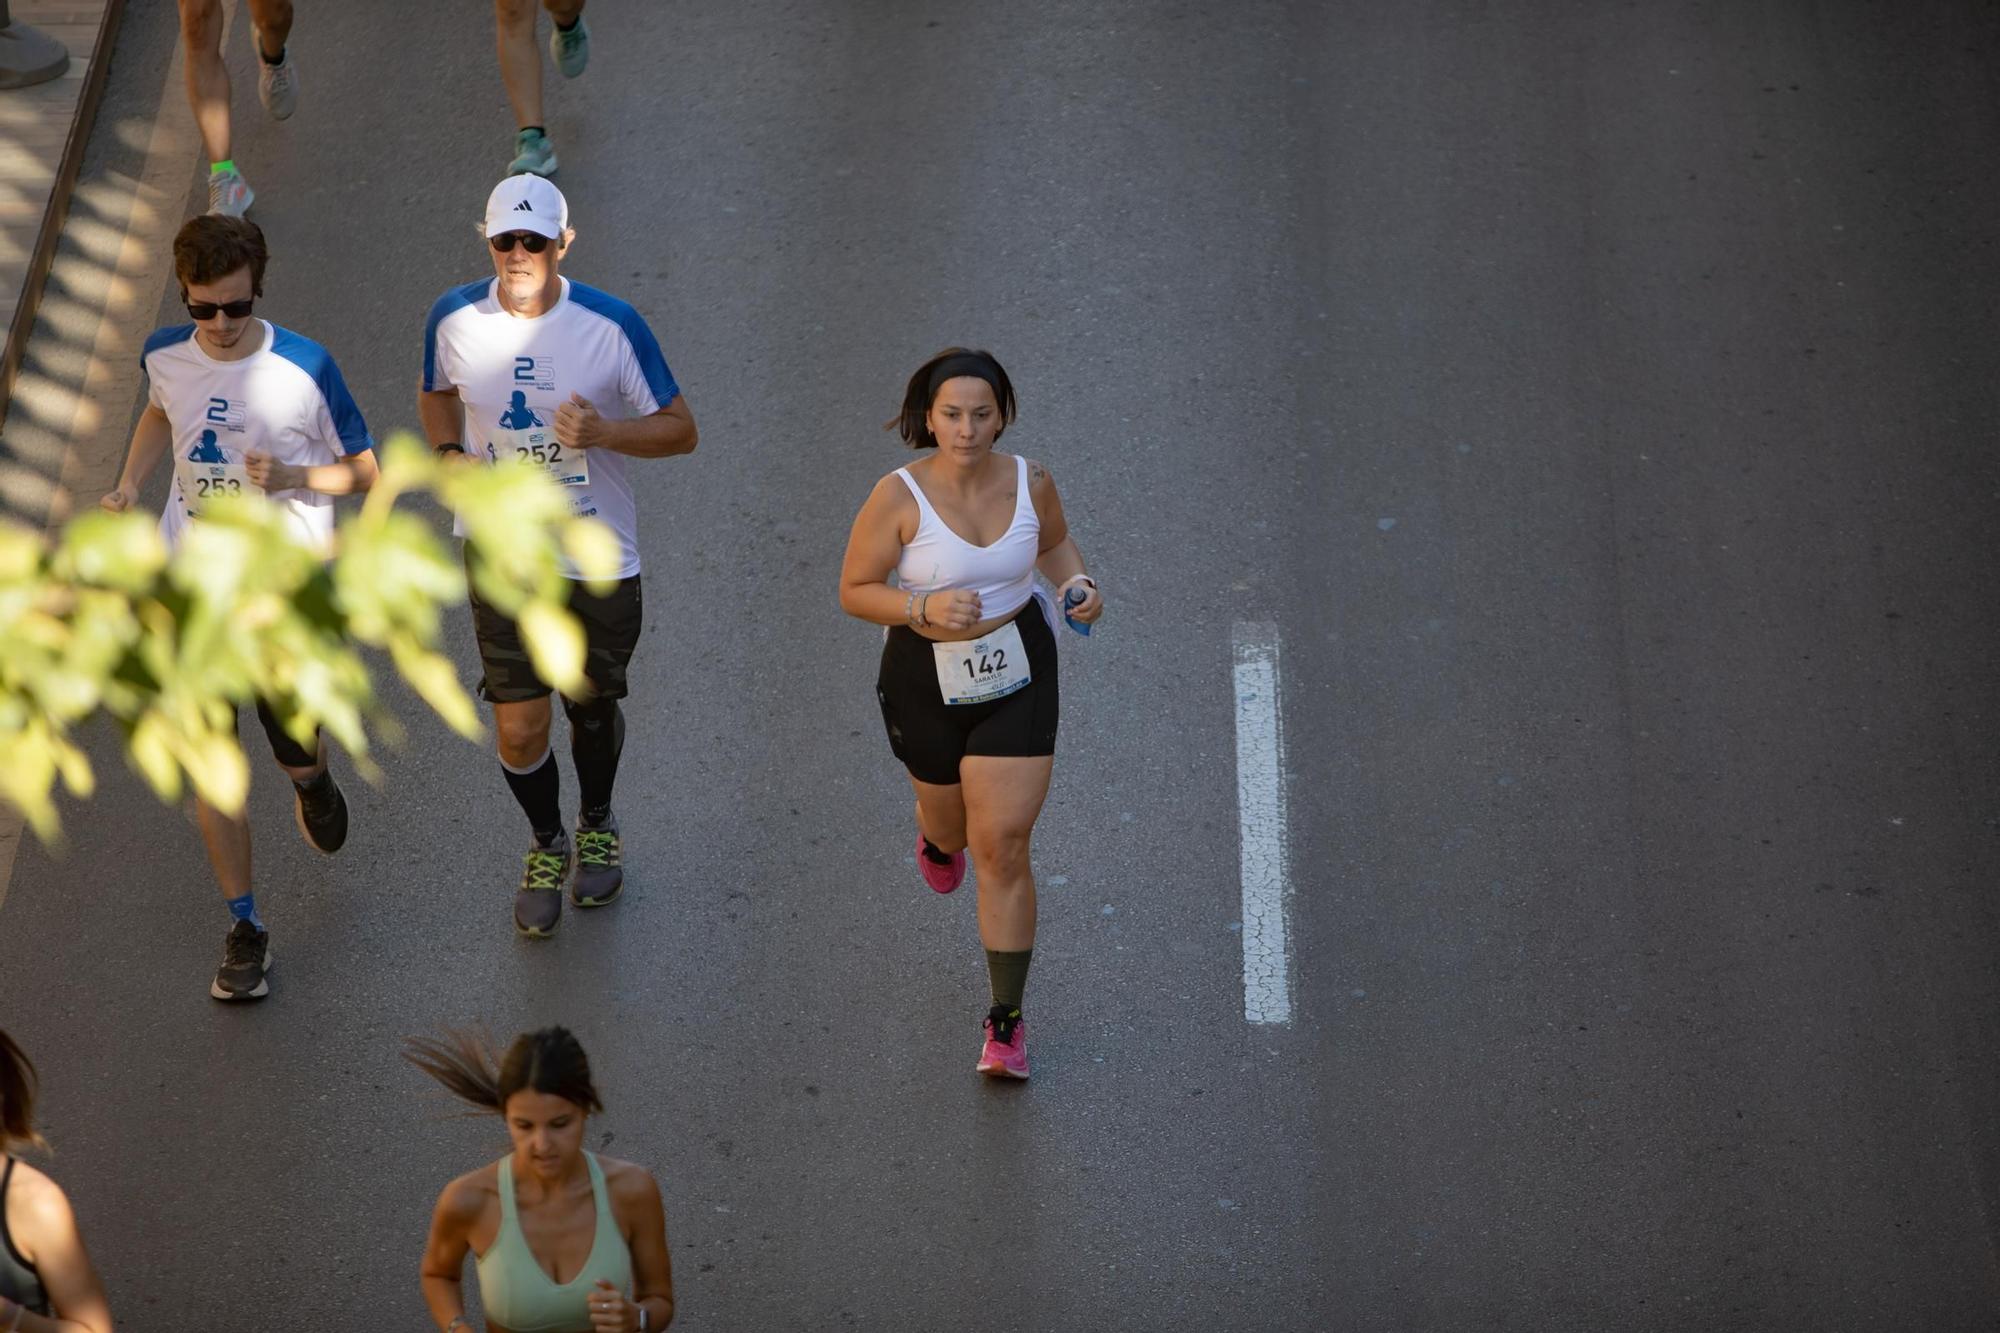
(978, 671)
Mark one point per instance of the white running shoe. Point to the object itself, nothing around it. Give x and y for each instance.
(229, 194)
(277, 85)
(571, 49)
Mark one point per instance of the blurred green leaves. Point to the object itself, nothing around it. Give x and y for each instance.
(105, 620)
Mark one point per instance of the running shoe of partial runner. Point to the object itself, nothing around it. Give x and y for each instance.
(1005, 1053)
(321, 813)
(246, 957)
(943, 877)
(600, 869)
(534, 155)
(229, 194)
(538, 905)
(571, 50)
(277, 85)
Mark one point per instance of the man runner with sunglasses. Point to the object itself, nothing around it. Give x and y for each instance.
(245, 405)
(527, 364)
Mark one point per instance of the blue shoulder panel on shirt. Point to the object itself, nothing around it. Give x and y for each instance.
(167, 337)
(313, 359)
(458, 298)
(644, 346)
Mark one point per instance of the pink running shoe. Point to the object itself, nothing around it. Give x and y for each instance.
(1005, 1054)
(942, 878)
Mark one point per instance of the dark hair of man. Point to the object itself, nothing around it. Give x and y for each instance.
(212, 246)
(17, 1096)
(951, 363)
(550, 1061)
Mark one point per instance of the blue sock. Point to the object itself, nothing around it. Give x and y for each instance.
(245, 909)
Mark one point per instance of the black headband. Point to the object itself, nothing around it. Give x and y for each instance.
(975, 364)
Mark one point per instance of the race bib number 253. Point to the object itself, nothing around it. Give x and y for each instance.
(202, 483)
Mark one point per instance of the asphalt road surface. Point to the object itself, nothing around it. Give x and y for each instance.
(1596, 402)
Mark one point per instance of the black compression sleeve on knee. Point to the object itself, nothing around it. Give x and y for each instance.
(596, 739)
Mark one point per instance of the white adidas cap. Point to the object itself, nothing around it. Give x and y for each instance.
(526, 203)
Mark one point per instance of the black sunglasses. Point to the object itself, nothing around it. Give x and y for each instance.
(209, 309)
(531, 241)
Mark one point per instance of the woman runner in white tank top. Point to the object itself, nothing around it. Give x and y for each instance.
(968, 685)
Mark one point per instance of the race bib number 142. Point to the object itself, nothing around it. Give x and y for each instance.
(975, 671)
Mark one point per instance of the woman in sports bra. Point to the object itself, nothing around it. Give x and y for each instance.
(968, 677)
(564, 1241)
(47, 1282)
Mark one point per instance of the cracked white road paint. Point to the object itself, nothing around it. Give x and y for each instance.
(1260, 809)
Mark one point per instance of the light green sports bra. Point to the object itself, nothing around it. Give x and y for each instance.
(521, 1297)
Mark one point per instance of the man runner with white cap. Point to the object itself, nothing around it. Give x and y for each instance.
(529, 364)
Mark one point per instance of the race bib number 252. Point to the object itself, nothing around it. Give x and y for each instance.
(538, 445)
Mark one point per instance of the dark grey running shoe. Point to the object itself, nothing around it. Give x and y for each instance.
(246, 957)
(538, 905)
(321, 815)
(600, 869)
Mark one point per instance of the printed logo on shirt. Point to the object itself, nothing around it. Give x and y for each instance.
(227, 413)
(519, 416)
(537, 371)
(206, 450)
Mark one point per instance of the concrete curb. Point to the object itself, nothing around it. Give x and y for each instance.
(59, 195)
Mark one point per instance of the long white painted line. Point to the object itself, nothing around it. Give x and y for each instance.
(1260, 811)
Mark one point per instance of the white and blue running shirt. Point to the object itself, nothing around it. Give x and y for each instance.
(286, 399)
(513, 373)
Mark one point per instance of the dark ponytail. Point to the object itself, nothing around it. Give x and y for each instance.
(550, 1061)
(17, 1096)
(951, 363)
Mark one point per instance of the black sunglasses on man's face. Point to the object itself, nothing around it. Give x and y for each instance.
(531, 241)
(208, 309)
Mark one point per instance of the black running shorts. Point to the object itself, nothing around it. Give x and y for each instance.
(931, 736)
(288, 751)
(611, 625)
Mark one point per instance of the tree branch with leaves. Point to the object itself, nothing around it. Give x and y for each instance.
(105, 620)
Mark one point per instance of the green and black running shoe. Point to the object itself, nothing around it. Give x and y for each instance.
(600, 869)
(538, 905)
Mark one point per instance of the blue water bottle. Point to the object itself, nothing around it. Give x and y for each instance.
(1074, 597)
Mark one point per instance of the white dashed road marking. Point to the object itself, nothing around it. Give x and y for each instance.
(1260, 808)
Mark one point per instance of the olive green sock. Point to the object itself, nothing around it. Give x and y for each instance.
(1008, 973)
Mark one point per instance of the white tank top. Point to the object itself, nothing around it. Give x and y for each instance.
(1003, 574)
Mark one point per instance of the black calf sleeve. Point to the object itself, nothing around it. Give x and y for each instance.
(596, 738)
(284, 746)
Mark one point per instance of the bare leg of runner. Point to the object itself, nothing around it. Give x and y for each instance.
(228, 836)
(228, 840)
(520, 60)
(1003, 797)
(523, 729)
(941, 815)
(207, 80)
(273, 21)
